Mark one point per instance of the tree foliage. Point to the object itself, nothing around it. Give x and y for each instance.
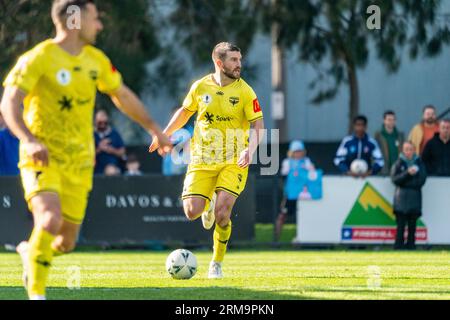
(129, 38)
(336, 32)
(200, 24)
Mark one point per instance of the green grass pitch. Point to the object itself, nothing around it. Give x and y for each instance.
(249, 274)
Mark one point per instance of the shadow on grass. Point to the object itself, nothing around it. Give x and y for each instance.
(153, 293)
(382, 290)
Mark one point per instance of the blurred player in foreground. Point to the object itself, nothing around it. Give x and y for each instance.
(221, 148)
(57, 82)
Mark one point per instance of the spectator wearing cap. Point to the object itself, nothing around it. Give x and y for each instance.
(295, 162)
(360, 146)
(409, 175)
(436, 154)
(424, 131)
(390, 141)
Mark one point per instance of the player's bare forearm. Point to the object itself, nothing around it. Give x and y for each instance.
(11, 110)
(127, 102)
(256, 136)
(179, 119)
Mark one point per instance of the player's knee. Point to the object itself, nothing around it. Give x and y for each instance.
(51, 221)
(223, 221)
(192, 211)
(223, 209)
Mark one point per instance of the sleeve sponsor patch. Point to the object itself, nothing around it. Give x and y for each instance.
(113, 68)
(256, 106)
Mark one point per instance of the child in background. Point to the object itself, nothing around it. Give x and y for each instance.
(133, 166)
(293, 185)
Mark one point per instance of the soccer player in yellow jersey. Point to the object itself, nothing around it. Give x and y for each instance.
(57, 82)
(221, 148)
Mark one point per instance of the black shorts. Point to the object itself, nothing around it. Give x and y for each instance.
(290, 207)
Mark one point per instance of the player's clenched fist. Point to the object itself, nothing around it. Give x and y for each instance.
(244, 159)
(161, 143)
(37, 152)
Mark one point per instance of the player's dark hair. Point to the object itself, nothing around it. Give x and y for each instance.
(429, 106)
(360, 118)
(221, 50)
(132, 158)
(388, 113)
(59, 7)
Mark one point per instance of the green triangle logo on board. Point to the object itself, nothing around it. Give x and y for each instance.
(370, 214)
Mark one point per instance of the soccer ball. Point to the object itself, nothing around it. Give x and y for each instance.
(359, 166)
(181, 264)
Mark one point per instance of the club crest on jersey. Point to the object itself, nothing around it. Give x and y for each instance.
(206, 99)
(63, 77)
(234, 100)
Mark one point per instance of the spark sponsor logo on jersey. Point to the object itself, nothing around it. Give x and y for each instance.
(256, 106)
(63, 77)
(209, 117)
(83, 101)
(220, 93)
(224, 118)
(65, 103)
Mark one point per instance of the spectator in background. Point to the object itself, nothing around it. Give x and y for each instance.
(133, 166)
(390, 141)
(9, 153)
(409, 175)
(359, 146)
(111, 170)
(109, 145)
(436, 154)
(425, 130)
(290, 170)
(176, 162)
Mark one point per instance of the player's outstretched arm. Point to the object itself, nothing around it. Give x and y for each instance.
(256, 136)
(179, 119)
(131, 105)
(11, 110)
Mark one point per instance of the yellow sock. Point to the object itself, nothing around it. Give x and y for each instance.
(207, 205)
(40, 258)
(221, 237)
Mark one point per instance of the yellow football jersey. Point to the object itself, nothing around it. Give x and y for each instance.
(223, 119)
(61, 90)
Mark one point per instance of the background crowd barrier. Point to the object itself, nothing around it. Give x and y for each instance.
(129, 210)
(354, 211)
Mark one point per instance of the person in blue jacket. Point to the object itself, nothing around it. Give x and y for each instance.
(9, 153)
(361, 146)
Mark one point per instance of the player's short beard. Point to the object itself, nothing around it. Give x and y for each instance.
(430, 120)
(230, 74)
